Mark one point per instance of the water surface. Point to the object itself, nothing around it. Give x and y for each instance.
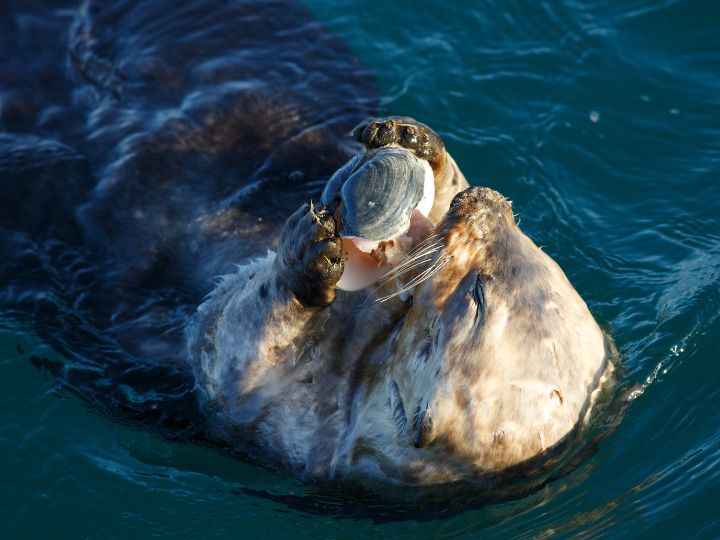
(601, 121)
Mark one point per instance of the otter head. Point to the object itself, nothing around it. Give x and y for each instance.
(478, 379)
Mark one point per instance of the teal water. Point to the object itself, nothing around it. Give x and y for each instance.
(601, 121)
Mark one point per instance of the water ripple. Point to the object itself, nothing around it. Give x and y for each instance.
(595, 118)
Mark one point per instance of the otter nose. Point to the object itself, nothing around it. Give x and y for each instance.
(473, 212)
(475, 197)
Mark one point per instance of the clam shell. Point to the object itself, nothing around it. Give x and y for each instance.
(331, 192)
(381, 192)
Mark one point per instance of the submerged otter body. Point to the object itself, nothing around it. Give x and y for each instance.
(190, 162)
(145, 150)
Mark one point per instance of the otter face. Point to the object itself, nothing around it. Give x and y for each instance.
(496, 355)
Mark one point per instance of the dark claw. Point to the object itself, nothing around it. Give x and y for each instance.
(309, 257)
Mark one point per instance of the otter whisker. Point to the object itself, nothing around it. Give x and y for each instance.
(420, 256)
(414, 256)
(388, 278)
(427, 274)
(419, 252)
(426, 256)
(407, 266)
(381, 284)
(430, 240)
(398, 272)
(429, 244)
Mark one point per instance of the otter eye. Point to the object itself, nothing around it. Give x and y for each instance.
(478, 295)
(397, 407)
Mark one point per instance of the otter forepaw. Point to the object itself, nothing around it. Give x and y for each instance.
(310, 256)
(405, 132)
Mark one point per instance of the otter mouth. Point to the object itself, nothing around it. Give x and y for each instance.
(367, 261)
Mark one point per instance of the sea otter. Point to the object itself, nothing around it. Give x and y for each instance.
(152, 166)
(488, 365)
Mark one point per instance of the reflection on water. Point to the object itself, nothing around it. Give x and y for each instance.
(595, 118)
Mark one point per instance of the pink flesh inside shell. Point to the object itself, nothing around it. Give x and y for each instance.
(367, 261)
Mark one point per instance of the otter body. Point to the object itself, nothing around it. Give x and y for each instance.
(158, 165)
(491, 364)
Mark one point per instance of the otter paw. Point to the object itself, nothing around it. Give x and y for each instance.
(405, 132)
(309, 256)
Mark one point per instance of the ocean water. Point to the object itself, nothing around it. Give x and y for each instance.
(601, 121)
